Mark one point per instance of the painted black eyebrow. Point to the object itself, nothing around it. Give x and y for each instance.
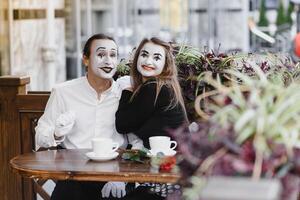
(144, 51)
(103, 48)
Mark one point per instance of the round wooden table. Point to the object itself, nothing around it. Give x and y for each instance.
(75, 165)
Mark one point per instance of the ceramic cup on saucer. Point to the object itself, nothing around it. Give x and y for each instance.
(162, 144)
(104, 146)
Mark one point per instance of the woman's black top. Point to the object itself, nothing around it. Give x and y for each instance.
(145, 117)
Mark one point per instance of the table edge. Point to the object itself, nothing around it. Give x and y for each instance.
(105, 176)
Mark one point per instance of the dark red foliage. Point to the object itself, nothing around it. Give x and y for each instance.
(238, 160)
(247, 152)
(188, 74)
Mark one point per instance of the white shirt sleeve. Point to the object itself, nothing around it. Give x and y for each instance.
(45, 128)
(124, 82)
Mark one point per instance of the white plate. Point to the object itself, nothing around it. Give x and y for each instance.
(169, 152)
(91, 155)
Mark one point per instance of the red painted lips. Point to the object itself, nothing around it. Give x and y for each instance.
(147, 67)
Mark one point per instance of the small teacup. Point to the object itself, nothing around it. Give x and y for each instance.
(104, 146)
(161, 144)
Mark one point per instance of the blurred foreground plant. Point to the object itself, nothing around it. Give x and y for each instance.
(251, 129)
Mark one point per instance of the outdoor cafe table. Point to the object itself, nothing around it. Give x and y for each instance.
(75, 165)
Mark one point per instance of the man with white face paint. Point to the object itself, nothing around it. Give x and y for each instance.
(82, 109)
(103, 59)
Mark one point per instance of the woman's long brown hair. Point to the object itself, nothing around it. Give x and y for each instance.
(168, 76)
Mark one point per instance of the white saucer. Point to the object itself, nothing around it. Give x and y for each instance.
(169, 152)
(91, 155)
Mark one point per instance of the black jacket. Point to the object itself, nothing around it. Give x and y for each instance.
(145, 117)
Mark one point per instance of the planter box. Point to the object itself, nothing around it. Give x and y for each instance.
(239, 188)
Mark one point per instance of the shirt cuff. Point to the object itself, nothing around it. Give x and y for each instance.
(44, 137)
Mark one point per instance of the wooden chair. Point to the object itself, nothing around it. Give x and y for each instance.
(31, 107)
(19, 114)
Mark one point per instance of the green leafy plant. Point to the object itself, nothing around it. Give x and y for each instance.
(273, 65)
(263, 21)
(123, 69)
(136, 155)
(259, 107)
(249, 126)
(281, 17)
(192, 64)
(289, 13)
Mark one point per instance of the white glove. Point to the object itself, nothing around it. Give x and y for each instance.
(117, 189)
(135, 141)
(64, 123)
(124, 82)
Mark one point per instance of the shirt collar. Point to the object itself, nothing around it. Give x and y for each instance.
(113, 89)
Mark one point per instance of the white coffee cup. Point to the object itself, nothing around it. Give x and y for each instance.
(162, 144)
(104, 146)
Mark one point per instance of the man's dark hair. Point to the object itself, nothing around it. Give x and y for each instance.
(87, 47)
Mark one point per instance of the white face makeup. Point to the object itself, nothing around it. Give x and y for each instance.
(151, 60)
(103, 58)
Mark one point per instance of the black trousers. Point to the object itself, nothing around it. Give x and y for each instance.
(77, 190)
(89, 190)
(142, 193)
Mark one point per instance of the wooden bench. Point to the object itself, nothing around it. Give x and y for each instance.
(19, 113)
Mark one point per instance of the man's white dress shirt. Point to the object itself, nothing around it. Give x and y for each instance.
(93, 117)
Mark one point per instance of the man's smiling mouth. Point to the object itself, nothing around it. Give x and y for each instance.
(106, 69)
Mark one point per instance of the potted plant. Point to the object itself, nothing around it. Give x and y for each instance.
(251, 130)
(192, 65)
(123, 69)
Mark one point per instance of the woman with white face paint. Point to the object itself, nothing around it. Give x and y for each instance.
(154, 104)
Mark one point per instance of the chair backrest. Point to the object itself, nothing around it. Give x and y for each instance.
(30, 108)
